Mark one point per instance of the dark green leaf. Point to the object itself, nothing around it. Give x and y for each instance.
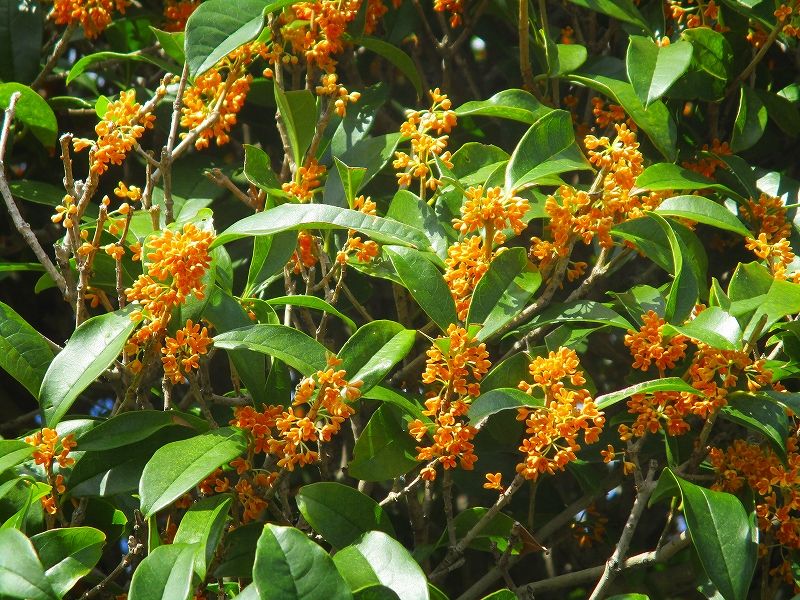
(394, 55)
(665, 384)
(379, 559)
(340, 513)
(131, 427)
(582, 310)
(499, 399)
(622, 10)
(408, 208)
(21, 574)
(86, 62)
(652, 69)
(299, 114)
(312, 302)
(13, 452)
(166, 574)
(203, 526)
(351, 178)
(21, 28)
(384, 449)
(270, 255)
(68, 554)
(291, 346)
(88, 353)
(667, 176)
(32, 111)
(751, 120)
(24, 354)
(425, 282)
(759, 414)
(374, 350)
(290, 566)
(259, 172)
(179, 466)
(514, 104)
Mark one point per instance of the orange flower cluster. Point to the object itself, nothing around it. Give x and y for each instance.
(777, 487)
(454, 7)
(489, 211)
(177, 12)
(707, 164)
(455, 366)
(648, 345)
(553, 429)
(316, 30)
(331, 87)
(46, 442)
(249, 489)
(784, 15)
(93, 15)
(607, 114)
(767, 215)
(590, 527)
(224, 88)
(425, 147)
(589, 216)
(319, 408)
(305, 253)
(306, 181)
(701, 15)
(124, 122)
(65, 212)
(364, 251)
(176, 265)
(182, 353)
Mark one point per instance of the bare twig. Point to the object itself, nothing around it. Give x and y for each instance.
(58, 50)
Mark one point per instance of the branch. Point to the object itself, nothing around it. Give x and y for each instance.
(22, 226)
(59, 49)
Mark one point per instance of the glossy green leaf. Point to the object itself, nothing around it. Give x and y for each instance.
(179, 466)
(384, 449)
(68, 554)
(298, 111)
(203, 526)
(668, 176)
(24, 354)
(291, 346)
(371, 153)
(408, 208)
(172, 43)
(622, 10)
(503, 291)
(755, 296)
(374, 350)
(351, 177)
(513, 104)
(238, 551)
(88, 353)
(394, 55)
(270, 255)
(32, 111)
(341, 514)
(297, 217)
(652, 69)
(258, 171)
(665, 384)
(720, 530)
(570, 57)
(711, 66)
(87, 62)
(13, 452)
(21, 573)
(548, 148)
(582, 310)
(683, 291)
(713, 326)
(131, 427)
(165, 574)
(312, 302)
(377, 558)
(497, 531)
(290, 566)
(425, 282)
(494, 401)
(760, 414)
(21, 28)
(751, 120)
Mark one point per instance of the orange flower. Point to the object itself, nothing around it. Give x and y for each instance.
(176, 13)
(93, 15)
(364, 251)
(768, 216)
(182, 353)
(306, 181)
(648, 345)
(492, 209)
(708, 163)
(454, 7)
(46, 442)
(494, 481)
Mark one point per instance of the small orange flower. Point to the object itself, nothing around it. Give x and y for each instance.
(648, 345)
(182, 353)
(494, 481)
(93, 15)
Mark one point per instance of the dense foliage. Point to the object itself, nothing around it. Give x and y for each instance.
(365, 299)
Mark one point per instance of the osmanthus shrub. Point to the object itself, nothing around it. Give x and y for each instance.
(422, 300)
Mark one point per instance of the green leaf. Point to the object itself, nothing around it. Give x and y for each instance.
(86, 62)
(32, 111)
(408, 208)
(340, 513)
(21, 27)
(683, 290)
(668, 176)
(606, 75)
(622, 10)
(751, 120)
(371, 153)
(290, 566)
(351, 177)
(548, 148)
(238, 552)
(754, 293)
(582, 310)
(24, 354)
(13, 452)
(760, 414)
(503, 291)
(505, 594)
(425, 282)
(714, 327)
(68, 554)
(219, 27)
(297, 217)
(270, 255)
(379, 559)
(652, 69)
(494, 401)
(258, 171)
(406, 403)
(665, 384)
(203, 526)
(384, 449)
(720, 530)
(131, 427)
(394, 55)
(570, 57)
(166, 574)
(374, 350)
(299, 114)
(89, 352)
(312, 302)
(21, 574)
(513, 104)
(179, 466)
(291, 346)
(172, 43)
(712, 60)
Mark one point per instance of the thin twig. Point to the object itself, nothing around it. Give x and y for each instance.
(59, 49)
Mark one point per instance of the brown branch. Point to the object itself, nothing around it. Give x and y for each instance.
(59, 49)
